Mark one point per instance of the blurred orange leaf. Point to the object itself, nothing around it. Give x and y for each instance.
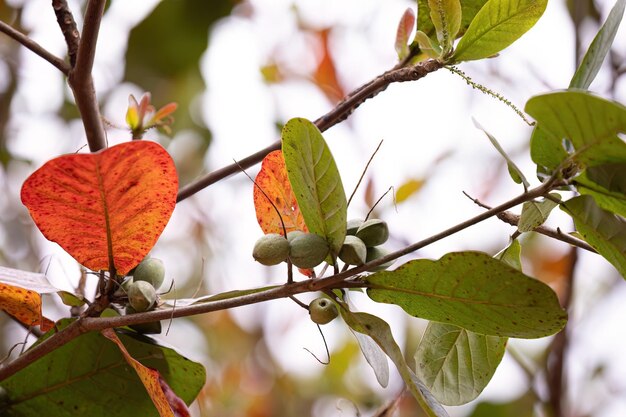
(24, 305)
(325, 75)
(167, 403)
(106, 208)
(273, 180)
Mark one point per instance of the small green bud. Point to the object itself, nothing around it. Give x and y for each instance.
(353, 251)
(271, 249)
(322, 311)
(373, 232)
(141, 296)
(150, 270)
(308, 250)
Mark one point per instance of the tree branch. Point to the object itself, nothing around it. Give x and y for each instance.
(87, 324)
(81, 80)
(35, 47)
(68, 27)
(339, 113)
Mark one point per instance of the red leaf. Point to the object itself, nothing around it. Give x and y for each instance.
(405, 27)
(167, 403)
(273, 180)
(106, 208)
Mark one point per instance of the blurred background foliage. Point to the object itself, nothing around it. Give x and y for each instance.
(253, 368)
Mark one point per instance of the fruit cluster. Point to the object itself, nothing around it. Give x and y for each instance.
(141, 289)
(362, 243)
(304, 250)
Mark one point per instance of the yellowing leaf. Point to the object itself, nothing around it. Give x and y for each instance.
(106, 208)
(166, 402)
(24, 305)
(273, 180)
(406, 190)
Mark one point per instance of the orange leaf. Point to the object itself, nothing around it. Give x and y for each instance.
(325, 75)
(272, 178)
(24, 305)
(167, 403)
(106, 208)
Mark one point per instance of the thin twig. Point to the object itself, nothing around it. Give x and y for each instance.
(377, 202)
(68, 27)
(325, 345)
(343, 109)
(556, 375)
(35, 47)
(81, 80)
(356, 187)
(514, 219)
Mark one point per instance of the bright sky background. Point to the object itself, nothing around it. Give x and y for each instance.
(419, 122)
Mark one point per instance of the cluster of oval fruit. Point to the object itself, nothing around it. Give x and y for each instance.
(141, 288)
(362, 243)
(308, 250)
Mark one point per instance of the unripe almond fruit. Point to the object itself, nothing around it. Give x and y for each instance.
(353, 251)
(374, 253)
(150, 270)
(353, 226)
(373, 232)
(271, 249)
(294, 234)
(141, 296)
(308, 250)
(322, 310)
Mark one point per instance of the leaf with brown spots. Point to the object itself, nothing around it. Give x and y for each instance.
(106, 209)
(167, 403)
(20, 296)
(273, 180)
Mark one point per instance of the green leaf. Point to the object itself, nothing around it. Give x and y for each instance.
(429, 46)
(610, 176)
(89, 377)
(473, 291)
(70, 299)
(315, 181)
(497, 25)
(613, 201)
(535, 213)
(469, 8)
(514, 171)
(446, 17)
(591, 124)
(603, 230)
(511, 255)
(374, 356)
(520, 407)
(380, 332)
(599, 48)
(456, 364)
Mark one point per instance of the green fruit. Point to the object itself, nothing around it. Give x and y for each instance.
(353, 251)
(373, 232)
(132, 271)
(374, 253)
(141, 296)
(271, 249)
(308, 250)
(292, 235)
(322, 310)
(150, 270)
(353, 226)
